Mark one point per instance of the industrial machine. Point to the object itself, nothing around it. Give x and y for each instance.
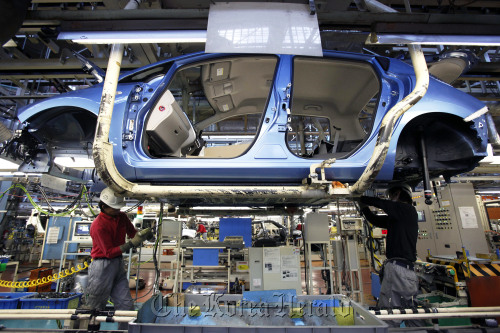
(275, 268)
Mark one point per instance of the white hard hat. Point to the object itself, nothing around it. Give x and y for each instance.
(109, 198)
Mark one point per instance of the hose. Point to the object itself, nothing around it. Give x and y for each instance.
(44, 280)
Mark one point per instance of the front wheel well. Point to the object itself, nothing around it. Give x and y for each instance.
(64, 124)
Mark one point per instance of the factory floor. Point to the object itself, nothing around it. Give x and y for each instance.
(147, 274)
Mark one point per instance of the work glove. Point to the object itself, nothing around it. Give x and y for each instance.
(139, 237)
(126, 247)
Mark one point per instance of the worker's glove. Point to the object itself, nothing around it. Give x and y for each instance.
(126, 247)
(141, 236)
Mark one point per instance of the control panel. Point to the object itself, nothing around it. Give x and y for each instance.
(452, 221)
(442, 218)
(423, 234)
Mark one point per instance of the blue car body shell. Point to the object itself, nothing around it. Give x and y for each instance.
(268, 159)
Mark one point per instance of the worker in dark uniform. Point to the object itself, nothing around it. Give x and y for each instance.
(399, 281)
(107, 274)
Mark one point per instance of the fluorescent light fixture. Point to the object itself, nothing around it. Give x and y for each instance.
(488, 192)
(75, 162)
(135, 37)
(392, 39)
(19, 174)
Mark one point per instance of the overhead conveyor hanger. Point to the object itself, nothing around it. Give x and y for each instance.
(386, 127)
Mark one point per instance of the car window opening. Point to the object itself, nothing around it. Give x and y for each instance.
(215, 111)
(333, 107)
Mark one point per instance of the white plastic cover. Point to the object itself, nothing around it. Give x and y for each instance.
(275, 28)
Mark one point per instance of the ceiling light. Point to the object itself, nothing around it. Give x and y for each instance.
(131, 37)
(394, 39)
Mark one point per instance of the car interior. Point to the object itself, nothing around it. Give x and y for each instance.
(214, 109)
(223, 101)
(333, 106)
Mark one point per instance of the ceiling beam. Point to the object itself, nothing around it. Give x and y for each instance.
(445, 4)
(352, 18)
(437, 28)
(49, 75)
(63, 1)
(116, 14)
(9, 67)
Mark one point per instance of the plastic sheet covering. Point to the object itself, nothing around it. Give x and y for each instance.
(275, 28)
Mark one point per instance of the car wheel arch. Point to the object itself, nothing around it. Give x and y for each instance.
(69, 117)
(449, 141)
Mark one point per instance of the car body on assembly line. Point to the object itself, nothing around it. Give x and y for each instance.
(246, 119)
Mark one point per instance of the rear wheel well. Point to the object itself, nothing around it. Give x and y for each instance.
(451, 144)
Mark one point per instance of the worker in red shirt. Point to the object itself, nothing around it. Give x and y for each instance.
(107, 274)
(202, 231)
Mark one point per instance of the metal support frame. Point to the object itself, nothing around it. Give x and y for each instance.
(189, 269)
(310, 268)
(353, 274)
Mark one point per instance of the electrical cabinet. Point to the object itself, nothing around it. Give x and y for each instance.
(452, 221)
(275, 268)
(351, 223)
(316, 227)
